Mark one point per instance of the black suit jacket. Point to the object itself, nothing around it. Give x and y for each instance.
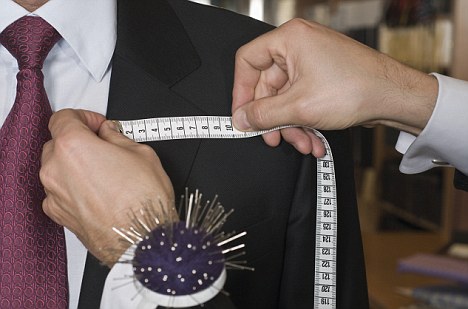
(176, 58)
(461, 181)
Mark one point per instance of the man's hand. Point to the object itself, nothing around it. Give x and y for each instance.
(303, 73)
(94, 177)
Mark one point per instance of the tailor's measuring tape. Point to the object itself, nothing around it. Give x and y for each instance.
(196, 127)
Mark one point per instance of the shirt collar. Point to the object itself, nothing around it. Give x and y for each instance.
(88, 26)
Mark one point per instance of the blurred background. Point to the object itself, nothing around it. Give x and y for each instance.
(403, 217)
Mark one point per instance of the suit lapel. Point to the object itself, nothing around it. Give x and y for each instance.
(167, 53)
(92, 285)
(144, 69)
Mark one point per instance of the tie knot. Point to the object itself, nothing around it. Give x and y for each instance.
(29, 39)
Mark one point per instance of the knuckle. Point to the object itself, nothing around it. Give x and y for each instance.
(257, 115)
(48, 178)
(47, 145)
(51, 209)
(239, 53)
(66, 144)
(57, 118)
(53, 120)
(44, 175)
(295, 22)
(145, 150)
(302, 110)
(298, 25)
(47, 207)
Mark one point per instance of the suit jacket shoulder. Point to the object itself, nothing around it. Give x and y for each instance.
(217, 23)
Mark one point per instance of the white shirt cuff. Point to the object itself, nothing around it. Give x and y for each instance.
(445, 137)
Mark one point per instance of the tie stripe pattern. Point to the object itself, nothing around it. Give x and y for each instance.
(32, 247)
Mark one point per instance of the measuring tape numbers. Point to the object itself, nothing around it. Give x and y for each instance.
(210, 127)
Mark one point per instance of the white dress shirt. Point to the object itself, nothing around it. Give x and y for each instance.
(76, 75)
(445, 137)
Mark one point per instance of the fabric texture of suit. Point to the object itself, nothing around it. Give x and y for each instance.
(176, 58)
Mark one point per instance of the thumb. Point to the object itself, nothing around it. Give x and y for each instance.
(110, 132)
(265, 113)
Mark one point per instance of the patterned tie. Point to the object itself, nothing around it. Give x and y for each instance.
(33, 266)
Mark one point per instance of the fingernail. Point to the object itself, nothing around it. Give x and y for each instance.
(317, 154)
(114, 125)
(240, 121)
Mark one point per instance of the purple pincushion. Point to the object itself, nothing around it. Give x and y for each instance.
(176, 260)
(175, 263)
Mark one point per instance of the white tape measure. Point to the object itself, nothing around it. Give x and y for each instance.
(196, 127)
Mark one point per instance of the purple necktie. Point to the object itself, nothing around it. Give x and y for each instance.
(33, 265)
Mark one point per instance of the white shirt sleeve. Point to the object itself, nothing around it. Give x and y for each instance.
(445, 138)
(120, 290)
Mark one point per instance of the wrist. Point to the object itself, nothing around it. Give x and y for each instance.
(111, 244)
(408, 99)
(105, 245)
